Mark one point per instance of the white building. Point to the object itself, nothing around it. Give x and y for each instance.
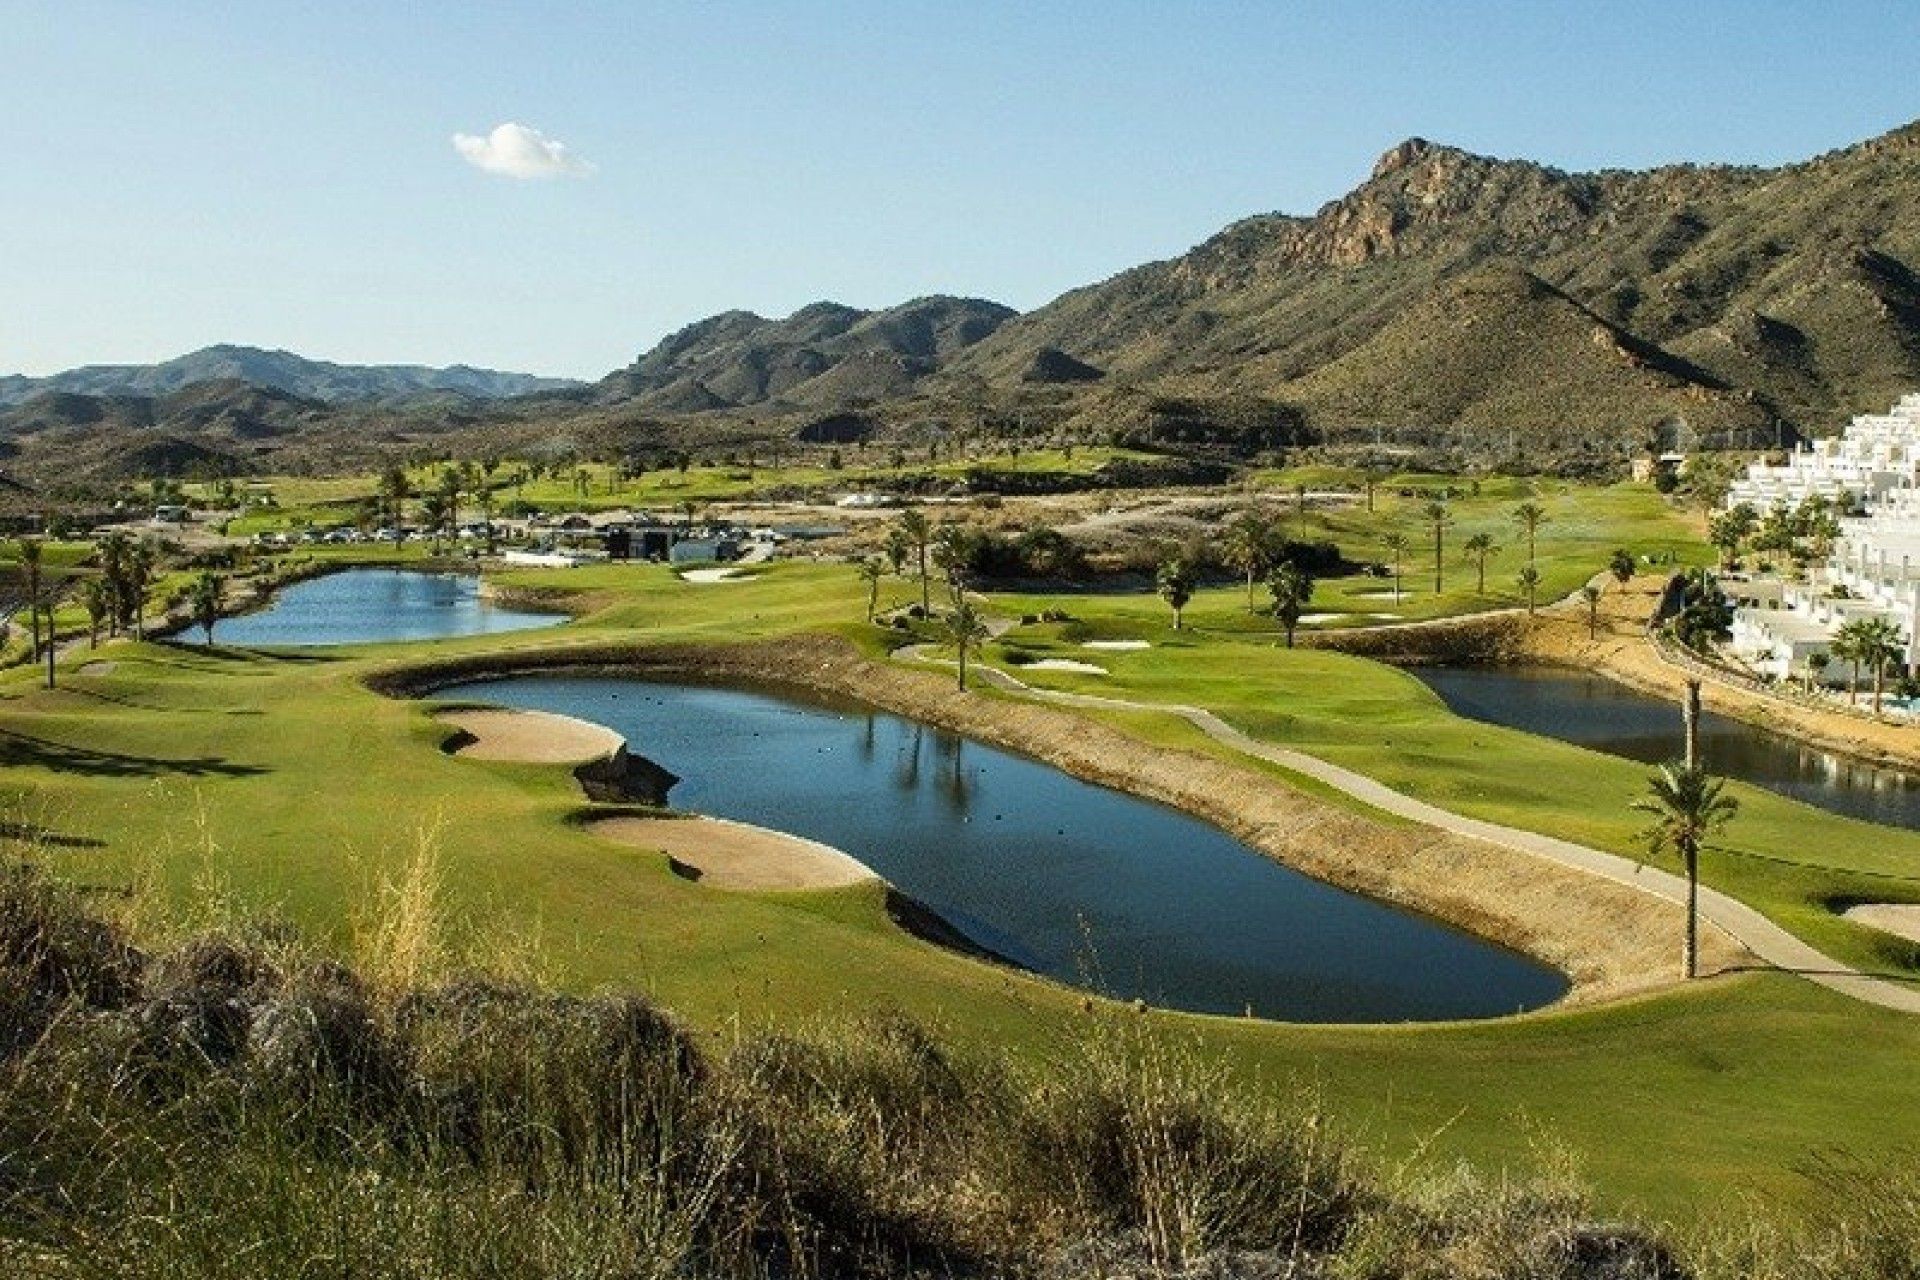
(1871, 475)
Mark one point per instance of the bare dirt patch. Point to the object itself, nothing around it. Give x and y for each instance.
(734, 855)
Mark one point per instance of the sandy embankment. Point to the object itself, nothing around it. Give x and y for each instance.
(1897, 918)
(734, 855)
(531, 737)
(729, 855)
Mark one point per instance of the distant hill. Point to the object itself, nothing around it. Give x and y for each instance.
(1785, 296)
(280, 371)
(823, 355)
(1464, 310)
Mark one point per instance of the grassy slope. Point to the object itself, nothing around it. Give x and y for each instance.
(309, 788)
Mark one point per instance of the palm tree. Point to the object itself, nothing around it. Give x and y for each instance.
(1478, 548)
(115, 552)
(96, 596)
(1292, 588)
(1621, 566)
(1437, 519)
(966, 628)
(1530, 516)
(1396, 544)
(31, 570)
(1878, 646)
(1529, 580)
(1249, 546)
(1687, 806)
(1175, 581)
(1591, 594)
(872, 569)
(142, 560)
(203, 598)
(1861, 644)
(914, 527)
(394, 492)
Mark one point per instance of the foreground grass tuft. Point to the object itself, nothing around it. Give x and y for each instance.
(238, 1106)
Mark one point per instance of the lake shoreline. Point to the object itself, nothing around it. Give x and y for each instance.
(1608, 940)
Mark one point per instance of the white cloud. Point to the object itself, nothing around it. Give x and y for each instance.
(517, 151)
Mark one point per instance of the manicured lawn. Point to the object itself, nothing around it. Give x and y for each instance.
(243, 783)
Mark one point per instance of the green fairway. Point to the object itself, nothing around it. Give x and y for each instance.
(238, 783)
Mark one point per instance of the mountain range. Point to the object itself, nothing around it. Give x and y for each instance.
(279, 371)
(1476, 310)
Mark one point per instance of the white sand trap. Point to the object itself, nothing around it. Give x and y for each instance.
(1065, 664)
(1117, 646)
(734, 855)
(1385, 617)
(1315, 619)
(532, 737)
(1900, 919)
(97, 668)
(1381, 595)
(707, 577)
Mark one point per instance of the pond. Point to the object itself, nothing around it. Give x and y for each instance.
(1596, 712)
(1072, 880)
(365, 606)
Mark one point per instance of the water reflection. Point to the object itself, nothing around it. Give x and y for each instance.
(366, 606)
(1595, 712)
(1062, 876)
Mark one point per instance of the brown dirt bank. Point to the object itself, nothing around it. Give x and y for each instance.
(1621, 650)
(1609, 939)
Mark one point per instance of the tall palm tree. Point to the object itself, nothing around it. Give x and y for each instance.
(1591, 594)
(115, 550)
(1292, 588)
(1478, 548)
(1530, 516)
(1175, 581)
(1396, 544)
(1687, 805)
(1529, 580)
(872, 569)
(1853, 644)
(966, 628)
(1879, 647)
(32, 573)
(1438, 518)
(394, 492)
(1249, 546)
(96, 597)
(142, 559)
(203, 598)
(918, 533)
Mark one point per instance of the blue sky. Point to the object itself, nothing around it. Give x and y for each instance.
(178, 173)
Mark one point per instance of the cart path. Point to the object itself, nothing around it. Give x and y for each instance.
(1746, 926)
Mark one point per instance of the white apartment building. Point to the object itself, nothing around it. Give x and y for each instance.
(1874, 568)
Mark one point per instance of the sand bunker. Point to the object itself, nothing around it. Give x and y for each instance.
(1900, 919)
(532, 737)
(1381, 595)
(96, 668)
(1065, 664)
(1315, 619)
(734, 855)
(707, 577)
(1117, 646)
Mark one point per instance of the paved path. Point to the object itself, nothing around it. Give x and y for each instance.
(1752, 930)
